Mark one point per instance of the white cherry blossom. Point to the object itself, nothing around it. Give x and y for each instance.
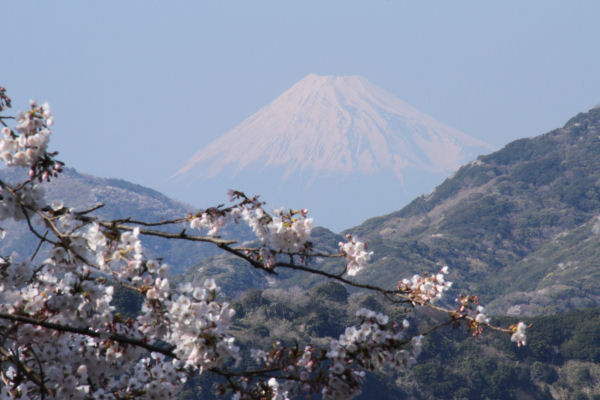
(58, 318)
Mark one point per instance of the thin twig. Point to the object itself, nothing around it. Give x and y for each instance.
(250, 260)
(143, 223)
(336, 277)
(89, 210)
(26, 370)
(181, 235)
(39, 246)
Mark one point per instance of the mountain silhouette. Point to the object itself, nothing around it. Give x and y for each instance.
(335, 136)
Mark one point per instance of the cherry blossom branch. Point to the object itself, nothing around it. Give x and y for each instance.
(89, 210)
(242, 254)
(2, 118)
(191, 323)
(144, 223)
(39, 246)
(166, 235)
(238, 252)
(88, 332)
(337, 277)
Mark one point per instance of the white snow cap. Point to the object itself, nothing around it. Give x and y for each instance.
(338, 124)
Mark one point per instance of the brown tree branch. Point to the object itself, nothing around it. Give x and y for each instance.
(26, 370)
(88, 332)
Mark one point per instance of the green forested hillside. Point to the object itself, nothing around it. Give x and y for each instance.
(519, 227)
(560, 361)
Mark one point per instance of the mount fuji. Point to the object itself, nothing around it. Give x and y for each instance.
(341, 146)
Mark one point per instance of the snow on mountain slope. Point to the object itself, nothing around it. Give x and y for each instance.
(340, 146)
(329, 124)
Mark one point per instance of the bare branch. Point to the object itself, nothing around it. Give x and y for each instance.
(39, 246)
(337, 278)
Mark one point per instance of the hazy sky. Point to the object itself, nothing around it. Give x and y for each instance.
(138, 86)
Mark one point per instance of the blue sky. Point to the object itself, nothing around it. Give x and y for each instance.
(138, 86)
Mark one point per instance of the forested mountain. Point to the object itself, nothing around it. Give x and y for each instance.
(560, 361)
(520, 227)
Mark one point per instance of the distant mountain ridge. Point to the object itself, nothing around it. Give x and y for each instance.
(120, 199)
(519, 227)
(325, 134)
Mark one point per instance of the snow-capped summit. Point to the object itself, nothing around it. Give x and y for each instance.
(338, 145)
(330, 124)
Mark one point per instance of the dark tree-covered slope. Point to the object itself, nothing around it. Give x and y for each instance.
(519, 226)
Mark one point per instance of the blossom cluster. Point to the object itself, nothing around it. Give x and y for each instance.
(480, 317)
(63, 338)
(212, 220)
(69, 291)
(25, 144)
(356, 254)
(16, 204)
(424, 289)
(477, 317)
(374, 343)
(67, 295)
(199, 327)
(189, 317)
(337, 371)
(519, 336)
(279, 232)
(282, 231)
(5, 101)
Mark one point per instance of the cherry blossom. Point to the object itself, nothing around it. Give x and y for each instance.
(519, 336)
(356, 255)
(63, 338)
